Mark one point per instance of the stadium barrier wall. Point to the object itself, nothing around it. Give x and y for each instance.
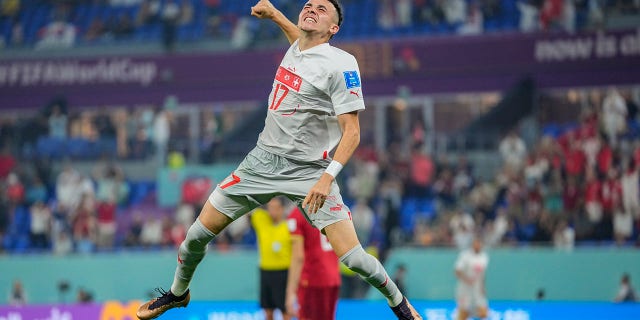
(586, 274)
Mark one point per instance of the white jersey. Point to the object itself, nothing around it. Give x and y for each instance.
(311, 88)
(473, 266)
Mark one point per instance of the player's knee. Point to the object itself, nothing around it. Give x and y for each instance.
(197, 238)
(358, 261)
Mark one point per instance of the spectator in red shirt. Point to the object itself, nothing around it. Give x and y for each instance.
(14, 189)
(551, 13)
(576, 161)
(422, 172)
(591, 147)
(106, 223)
(7, 162)
(565, 140)
(534, 197)
(588, 128)
(314, 274)
(604, 159)
(85, 225)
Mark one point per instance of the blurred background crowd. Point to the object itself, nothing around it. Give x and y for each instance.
(51, 24)
(67, 183)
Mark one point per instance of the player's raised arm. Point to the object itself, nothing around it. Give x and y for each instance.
(264, 9)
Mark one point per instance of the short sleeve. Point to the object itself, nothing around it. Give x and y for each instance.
(346, 89)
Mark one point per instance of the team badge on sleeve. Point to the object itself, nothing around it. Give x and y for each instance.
(352, 79)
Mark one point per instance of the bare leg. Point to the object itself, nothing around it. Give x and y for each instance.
(213, 219)
(342, 236)
(482, 312)
(268, 314)
(463, 314)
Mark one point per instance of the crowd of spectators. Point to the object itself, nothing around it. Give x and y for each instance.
(82, 212)
(46, 24)
(58, 131)
(47, 203)
(575, 184)
(578, 184)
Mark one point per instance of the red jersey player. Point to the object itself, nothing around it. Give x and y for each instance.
(314, 275)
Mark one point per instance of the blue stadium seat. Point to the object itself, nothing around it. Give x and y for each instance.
(22, 244)
(78, 148)
(407, 213)
(140, 190)
(551, 129)
(54, 148)
(104, 146)
(633, 130)
(426, 209)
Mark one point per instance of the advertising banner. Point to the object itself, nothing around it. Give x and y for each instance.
(347, 309)
(425, 65)
(110, 310)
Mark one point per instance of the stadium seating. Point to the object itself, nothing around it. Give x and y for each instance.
(363, 14)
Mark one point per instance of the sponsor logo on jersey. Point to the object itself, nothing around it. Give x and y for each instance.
(289, 78)
(352, 79)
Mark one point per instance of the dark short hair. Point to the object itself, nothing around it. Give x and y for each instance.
(338, 7)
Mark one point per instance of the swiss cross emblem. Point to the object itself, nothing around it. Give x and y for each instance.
(289, 78)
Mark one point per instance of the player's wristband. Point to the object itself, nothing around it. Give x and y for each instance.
(334, 168)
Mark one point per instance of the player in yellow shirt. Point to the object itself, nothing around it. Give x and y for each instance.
(274, 248)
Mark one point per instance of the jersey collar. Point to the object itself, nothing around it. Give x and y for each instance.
(318, 48)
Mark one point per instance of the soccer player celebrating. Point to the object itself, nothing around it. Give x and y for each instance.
(310, 133)
(470, 268)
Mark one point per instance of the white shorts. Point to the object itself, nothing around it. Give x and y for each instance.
(470, 299)
(263, 175)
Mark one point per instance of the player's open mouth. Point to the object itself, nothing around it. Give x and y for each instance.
(310, 19)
